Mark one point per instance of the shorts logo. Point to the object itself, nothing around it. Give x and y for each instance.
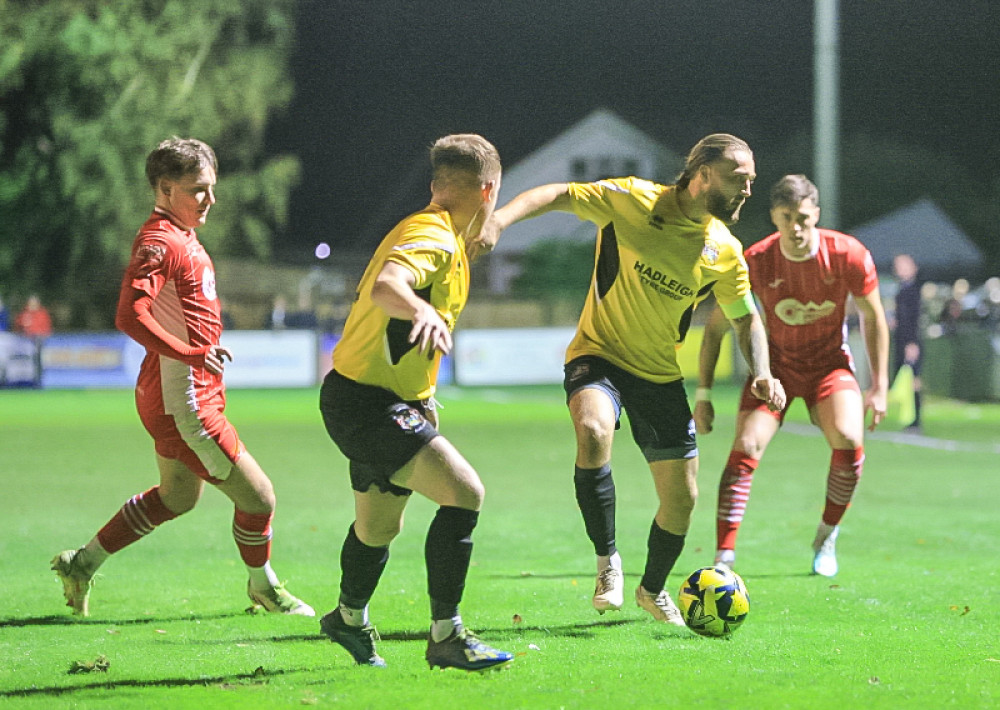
(208, 284)
(408, 419)
(579, 370)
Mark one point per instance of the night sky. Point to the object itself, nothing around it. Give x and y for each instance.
(376, 81)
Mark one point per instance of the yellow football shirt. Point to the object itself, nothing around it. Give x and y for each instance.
(374, 349)
(652, 266)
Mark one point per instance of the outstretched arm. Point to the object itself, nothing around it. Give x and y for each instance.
(876, 334)
(530, 203)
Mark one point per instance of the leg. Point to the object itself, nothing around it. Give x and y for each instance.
(178, 492)
(754, 430)
(363, 557)
(253, 496)
(677, 490)
(442, 474)
(594, 415)
(841, 418)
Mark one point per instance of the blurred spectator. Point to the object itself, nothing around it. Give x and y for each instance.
(953, 307)
(34, 321)
(276, 321)
(905, 321)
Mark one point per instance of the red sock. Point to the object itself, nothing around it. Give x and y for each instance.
(137, 518)
(734, 492)
(845, 472)
(252, 532)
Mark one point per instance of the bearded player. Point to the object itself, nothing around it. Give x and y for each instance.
(802, 275)
(660, 250)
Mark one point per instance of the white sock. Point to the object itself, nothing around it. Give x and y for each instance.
(263, 577)
(93, 555)
(604, 561)
(443, 628)
(354, 617)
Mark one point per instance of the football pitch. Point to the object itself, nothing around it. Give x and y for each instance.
(909, 622)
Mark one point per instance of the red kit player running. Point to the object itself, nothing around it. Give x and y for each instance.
(802, 276)
(169, 305)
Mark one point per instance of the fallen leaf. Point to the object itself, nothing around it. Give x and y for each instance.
(98, 665)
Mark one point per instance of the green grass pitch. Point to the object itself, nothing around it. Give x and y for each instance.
(910, 621)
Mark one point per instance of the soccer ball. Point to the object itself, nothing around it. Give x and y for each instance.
(714, 601)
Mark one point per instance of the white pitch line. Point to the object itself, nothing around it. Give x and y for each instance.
(900, 437)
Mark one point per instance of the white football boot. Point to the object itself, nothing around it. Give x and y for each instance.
(825, 547)
(609, 590)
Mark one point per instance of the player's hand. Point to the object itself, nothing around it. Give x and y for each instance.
(430, 332)
(704, 417)
(769, 390)
(215, 359)
(485, 241)
(875, 401)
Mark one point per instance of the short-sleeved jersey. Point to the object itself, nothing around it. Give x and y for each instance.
(374, 349)
(804, 302)
(652, 266)
(170, 265)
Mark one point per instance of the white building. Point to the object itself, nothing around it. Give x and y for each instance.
(599, 146)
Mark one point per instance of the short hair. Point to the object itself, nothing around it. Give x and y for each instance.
(464, 157)
(708, 150)
(176, 157)
(790, 190)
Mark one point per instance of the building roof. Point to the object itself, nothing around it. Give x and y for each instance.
(600, 145)
(924, 231)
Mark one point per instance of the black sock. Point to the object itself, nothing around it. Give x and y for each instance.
(448, 550)
(361, 568)
(595, 494)
(663, 550)
(916, 407)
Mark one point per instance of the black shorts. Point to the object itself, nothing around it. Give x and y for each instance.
(377, 431)
(658, 414)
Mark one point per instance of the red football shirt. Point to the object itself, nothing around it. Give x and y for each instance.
(803, 302)
(168, 303)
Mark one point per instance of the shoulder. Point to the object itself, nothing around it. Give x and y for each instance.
(430, 228)
(763, 246)
(840, 242)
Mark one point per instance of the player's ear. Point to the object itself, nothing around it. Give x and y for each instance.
(165, 185)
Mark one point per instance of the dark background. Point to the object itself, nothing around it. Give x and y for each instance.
(377, 81)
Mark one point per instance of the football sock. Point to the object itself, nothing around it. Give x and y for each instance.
(92, 556)
(353, 617)
(252, 532)
(448, 551)
(614, 561)
(845, 470)
(916, 407)
(137, 518)
(663, 550)
(595, 494)
(443, 628)
(734, 493)
(361, 567)
(263, 577)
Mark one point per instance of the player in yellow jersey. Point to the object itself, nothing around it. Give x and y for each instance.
(660, 250)
(377, 404)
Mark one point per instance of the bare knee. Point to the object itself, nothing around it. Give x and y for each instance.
(378, 533)
(594, 437)
(750, 445)
(179, 502)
